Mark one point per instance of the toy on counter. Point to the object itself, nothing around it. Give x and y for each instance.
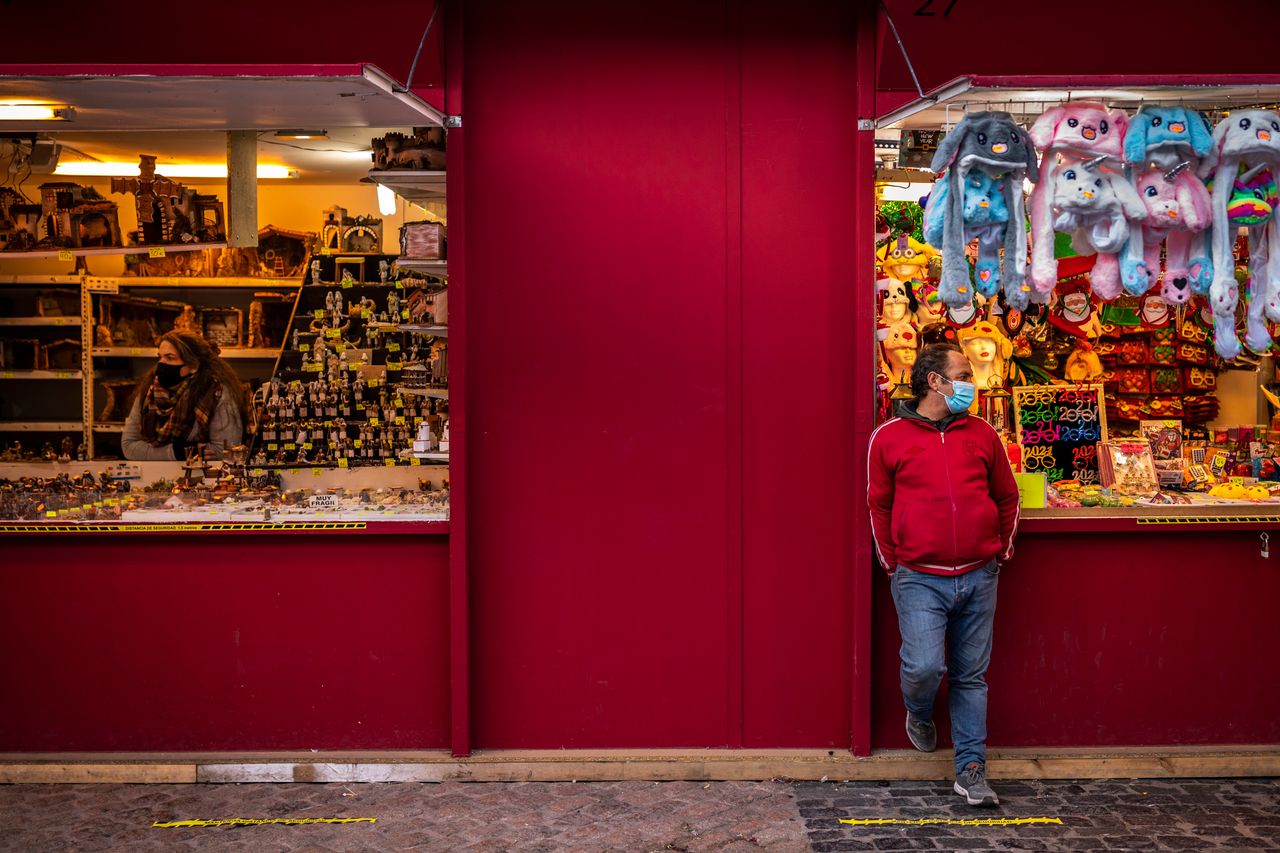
(1071, 136)
(986, 157)
(1241, 167)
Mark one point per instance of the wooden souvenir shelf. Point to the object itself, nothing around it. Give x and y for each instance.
(108, 284)
(440, 268)
(112, 250)
(39, 321)
(436, 331)
(41, 374)
(150, 352)
(41, 426)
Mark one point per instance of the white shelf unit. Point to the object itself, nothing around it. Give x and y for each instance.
(35, 280)
(411, 185)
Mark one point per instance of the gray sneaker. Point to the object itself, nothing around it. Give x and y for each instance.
(971, 783)
(923, 733)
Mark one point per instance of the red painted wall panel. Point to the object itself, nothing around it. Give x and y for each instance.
(984, 38)
(224, 643)
(1123, 639)
(798, 258)
(596, 285)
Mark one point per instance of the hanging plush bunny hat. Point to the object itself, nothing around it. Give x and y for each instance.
(990, 142)
(1246, 145)
(1074, 133)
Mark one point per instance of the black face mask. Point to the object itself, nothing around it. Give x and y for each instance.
(169, 375)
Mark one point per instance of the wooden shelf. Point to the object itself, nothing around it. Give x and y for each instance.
(437, 331)
(41, 426)
(440, 268)
(41, 374)
(150, 352)
(108, 427)
(39, 321)
(438, 393)
(113, 250)
(36, 280)
(110, 284)
(411, 185)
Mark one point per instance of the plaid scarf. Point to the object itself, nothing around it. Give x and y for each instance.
(169, 414)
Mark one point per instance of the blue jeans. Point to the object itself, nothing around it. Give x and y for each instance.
(945, 622)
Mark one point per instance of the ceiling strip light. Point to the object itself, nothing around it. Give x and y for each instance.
(35, 111)
(129, 169)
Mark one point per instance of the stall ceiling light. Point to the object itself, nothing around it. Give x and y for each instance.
(129, 169)
(35, 111)
(302, 134)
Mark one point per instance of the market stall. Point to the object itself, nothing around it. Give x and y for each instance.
(1103, 252)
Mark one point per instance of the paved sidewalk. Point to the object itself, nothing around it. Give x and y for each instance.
(1230, 814)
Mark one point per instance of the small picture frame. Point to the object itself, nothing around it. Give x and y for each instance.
(1127, 465)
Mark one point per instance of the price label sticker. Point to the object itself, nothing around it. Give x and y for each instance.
(326, 251)
(404, 313)
(306, 445)
(290, 446)
(112, 501)
(395, 365)
(343, 463)
(353, 367)
(135, 350)
(365, 314)
(375, 382)
(332, 333)
(155, 252)
(6, 374)
(373, 421)
(258, 472)
(51, 513)
(359, 442)
(273, 446)
(315, 472)
(392, 346)
(398, 403)
(66, 255)
(399, 284)
(417, 421)
(413, 460)
(347, 283)
(313, 367)
(399, 420)
(340, 346)
(318, 313)
(390, 463)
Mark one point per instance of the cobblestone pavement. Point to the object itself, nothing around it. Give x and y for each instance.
(1140, 814)
(1230, 814)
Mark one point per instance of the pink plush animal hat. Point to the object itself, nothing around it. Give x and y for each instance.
(1079, 131)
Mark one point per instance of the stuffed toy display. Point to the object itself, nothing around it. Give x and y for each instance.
(1177, 208)
(1077, 139)
(907, 261)
(1094, 203)
(1166, 136)
(897, 302)
(986, 157)
(1242, 164)
(898, 343)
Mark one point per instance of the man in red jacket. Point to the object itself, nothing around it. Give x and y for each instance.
(944, 509)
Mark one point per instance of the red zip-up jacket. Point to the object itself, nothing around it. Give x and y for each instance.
(942, 495)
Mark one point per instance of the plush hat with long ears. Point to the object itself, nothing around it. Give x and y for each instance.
(1245, 151)
(906, 258)
(1177, 208)
(994, 144)
(985, 219)
(1166, 136)
(1075, 132)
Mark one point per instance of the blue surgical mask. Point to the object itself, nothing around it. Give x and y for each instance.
(961, 396)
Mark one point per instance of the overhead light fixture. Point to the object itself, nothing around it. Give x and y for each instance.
(35, 111)
(302, 134)
(129, 169)
(386, 200)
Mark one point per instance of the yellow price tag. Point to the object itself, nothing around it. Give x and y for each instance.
(332, 333)
(304, 347)
(413, 460)
(315, 472)
(375, 382)
(306, 445)
(365, 314)
(399, 420)
(326, 251)
(359, 442)
(66, 255)
(373, 421)
(399, 284)
(391, 463)
(155, 252)
(290, 446)
(352, 366)
(257, 472)
(404, 314)
(395, 365)
(273, 447)
(343, 463)
(313, 367)
(318, 313)
(49, 513)
(346, 284)
(393, 347)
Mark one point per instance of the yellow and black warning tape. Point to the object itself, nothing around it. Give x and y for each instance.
(1219, 519)
(949, 821)
(255, 821)
(183, 528)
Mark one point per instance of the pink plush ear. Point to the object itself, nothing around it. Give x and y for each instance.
(1119, 122)
(1042, 131)
(1193, 201)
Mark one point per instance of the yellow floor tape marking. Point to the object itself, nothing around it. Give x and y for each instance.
(929, 821)
(253, 821)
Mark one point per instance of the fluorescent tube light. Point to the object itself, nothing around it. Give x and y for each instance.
(35, 111)
(386, 200)
(129, 169)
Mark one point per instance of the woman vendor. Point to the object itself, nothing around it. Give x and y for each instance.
(190, 397)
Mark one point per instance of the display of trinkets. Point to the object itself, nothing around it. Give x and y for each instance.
(357, 382)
